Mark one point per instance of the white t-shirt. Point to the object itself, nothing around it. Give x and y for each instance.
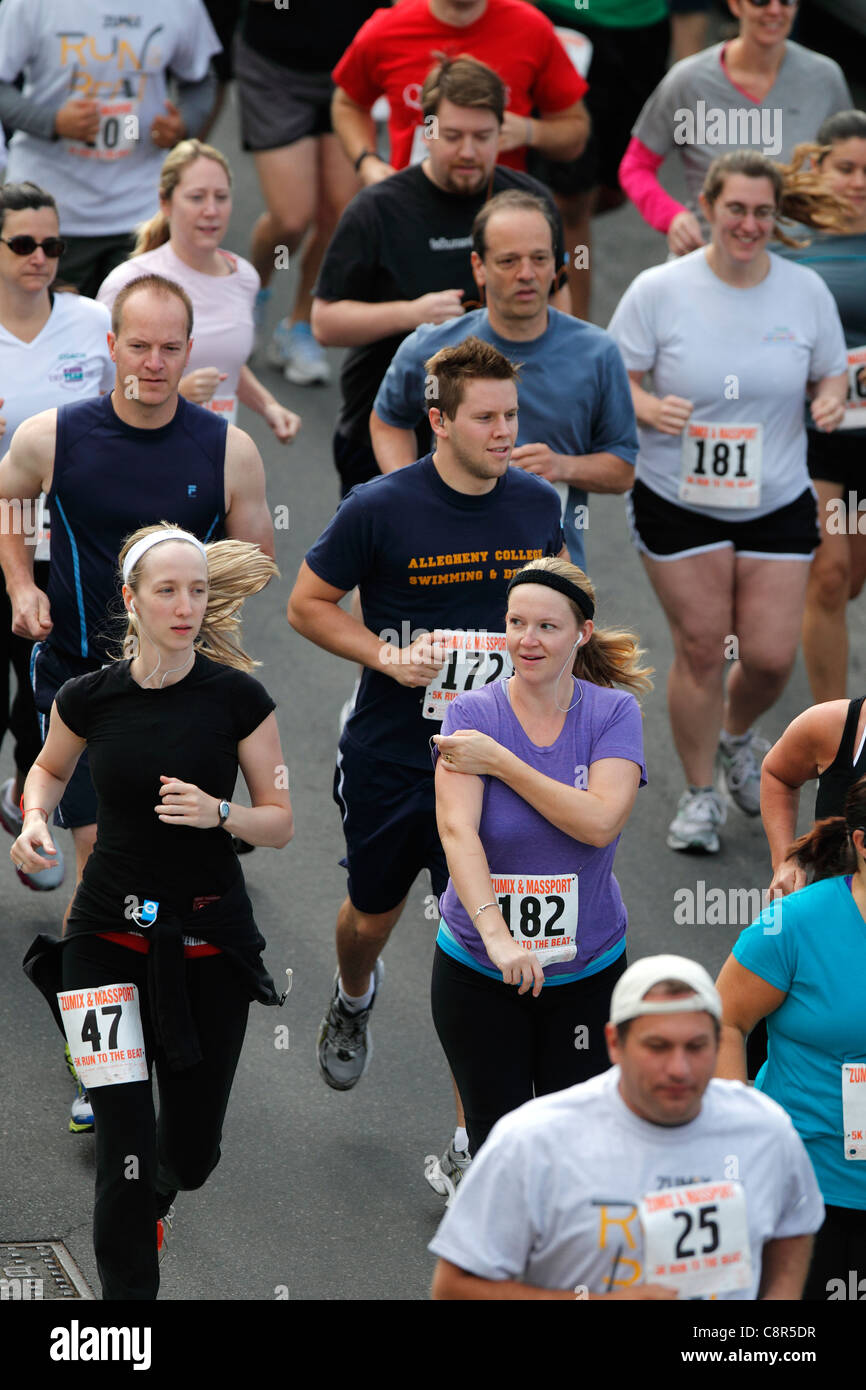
(551, 1199)
(67, 361)
(222, 305)
(117, 55)
(743, 356)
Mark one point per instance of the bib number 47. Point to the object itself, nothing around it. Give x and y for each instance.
(90, 1031)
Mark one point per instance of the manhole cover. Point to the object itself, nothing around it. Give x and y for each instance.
(40, 1269)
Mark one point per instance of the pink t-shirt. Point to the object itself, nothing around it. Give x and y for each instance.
(222, 313)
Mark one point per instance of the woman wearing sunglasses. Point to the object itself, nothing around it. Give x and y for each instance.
(760, 90)
(53, 350)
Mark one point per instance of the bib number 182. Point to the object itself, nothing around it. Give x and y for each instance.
(529, 912)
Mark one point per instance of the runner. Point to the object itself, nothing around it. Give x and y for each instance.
(802, 966)
(722, 509)
(403, 246)
(94, 115)
(139, 452)
(283, 57)
(585, 1193)
(182, 243)
(552, 760)
(760, 90)
(431, 547)
(53, 349)
(392, 53)
(577, 426)
(835, 461)
(167, 731)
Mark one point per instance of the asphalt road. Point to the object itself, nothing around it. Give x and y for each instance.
(321, 1195)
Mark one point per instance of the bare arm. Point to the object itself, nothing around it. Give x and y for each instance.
(26, 471)
(602, 472)
(251, 393)
(356, 130)
(450, 1282)
(46, 782)
(828, 402)
(561, 300)
(806, 748)
(561, 135)
(784, 1267)
(269, 820)
(393, 447)
(247, 515)
(354, 322)
(668, 414)
(746, 999)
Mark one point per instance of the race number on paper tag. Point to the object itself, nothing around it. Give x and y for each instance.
(855, 405)
(854, 1108)
(540, 911)
(720, 464)
(103, 1029)
(696, 1238)
(224, 406)
(118, 132)
(475, 659)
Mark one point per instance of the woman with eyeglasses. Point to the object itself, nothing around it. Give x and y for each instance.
(760, 90)
(53, 350)
(722, 509)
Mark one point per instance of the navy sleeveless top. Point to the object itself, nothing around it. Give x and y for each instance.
(109, 479)
(837, 780)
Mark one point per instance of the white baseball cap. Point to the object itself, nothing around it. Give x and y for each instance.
(627, 1000)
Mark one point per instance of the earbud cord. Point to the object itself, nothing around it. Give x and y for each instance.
(559, 678)
(171, 670)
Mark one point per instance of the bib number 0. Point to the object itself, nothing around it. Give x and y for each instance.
(103, 1029)
(720, 465)
(540, 913)
(474, 659)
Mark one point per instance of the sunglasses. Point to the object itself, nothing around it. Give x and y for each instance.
(53, 246)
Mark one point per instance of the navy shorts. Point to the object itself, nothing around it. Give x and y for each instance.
(389, 820)
(49, 669)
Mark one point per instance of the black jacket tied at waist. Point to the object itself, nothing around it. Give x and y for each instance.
(227, 923)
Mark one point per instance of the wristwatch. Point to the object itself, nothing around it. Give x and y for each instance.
(361, 157)
(225, 811)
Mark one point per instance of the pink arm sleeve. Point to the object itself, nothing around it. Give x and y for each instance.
(637, 176)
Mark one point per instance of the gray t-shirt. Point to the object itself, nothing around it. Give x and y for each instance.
(697, 109)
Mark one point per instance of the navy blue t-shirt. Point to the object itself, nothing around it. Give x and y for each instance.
(109, 479)
(425, 556)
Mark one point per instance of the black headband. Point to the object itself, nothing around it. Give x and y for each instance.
(556, 581)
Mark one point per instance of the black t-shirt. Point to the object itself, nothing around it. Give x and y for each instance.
(424, 557)
(305, 37)
(189, 730)
(399, 239)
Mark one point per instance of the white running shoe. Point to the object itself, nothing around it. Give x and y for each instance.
(740, 770)
(303, 360)
(445, 1174)
(695, 824)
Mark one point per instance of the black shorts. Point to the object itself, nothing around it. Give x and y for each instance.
(627, 65)
(838, 458)
(389, 820)
(355, 462)
(279, 106)
(49, 669)
(664, 531)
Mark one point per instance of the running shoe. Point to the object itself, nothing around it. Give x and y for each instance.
(81, 1114)
(444, 1174)
(344, 1042)
(740, 768)
(12, 820)
(694, 826)
(164, 1233)
(303, 360)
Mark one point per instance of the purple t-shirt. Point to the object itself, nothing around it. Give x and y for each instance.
(518, 839)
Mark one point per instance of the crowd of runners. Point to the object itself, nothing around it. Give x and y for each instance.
(438, 168)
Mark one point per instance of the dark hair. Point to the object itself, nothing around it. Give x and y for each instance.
(799, 194)
(845, 125)
(471, 360)
(19, 197)
(828, 848)
(466, 82)
(669, 989)
(512, 200)
(161, 285)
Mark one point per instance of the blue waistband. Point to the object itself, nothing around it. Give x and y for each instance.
(448, 942)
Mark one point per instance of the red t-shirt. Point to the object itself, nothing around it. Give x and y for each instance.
(395, 49)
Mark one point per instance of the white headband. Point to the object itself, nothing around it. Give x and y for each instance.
(144, 545)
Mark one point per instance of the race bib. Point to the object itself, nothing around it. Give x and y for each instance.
(696, 1238)
(854, 1108)
(224, 406)
(103, 1029)
(720, 465)
(475, 659)
(117, 136)
(577, 46)
(855, 405)
(540, 912)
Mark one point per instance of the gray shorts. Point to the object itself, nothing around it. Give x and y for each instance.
(279, 105)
